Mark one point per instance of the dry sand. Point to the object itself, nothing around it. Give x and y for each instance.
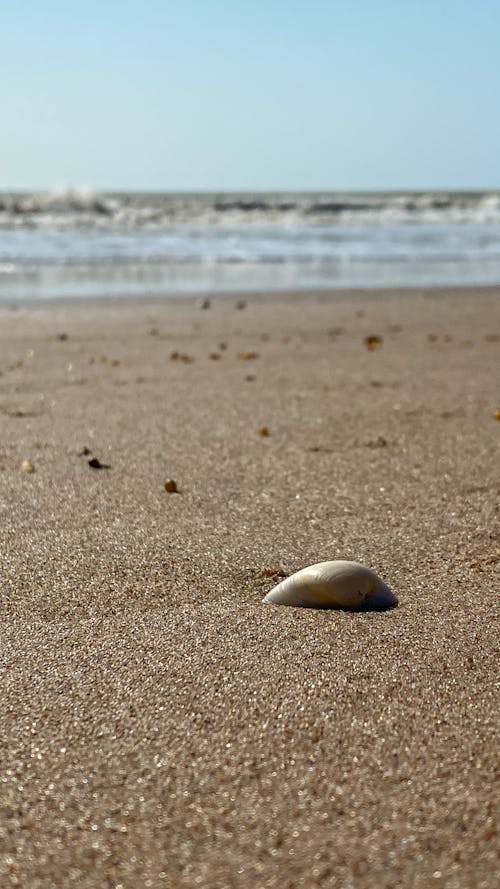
(160, 726)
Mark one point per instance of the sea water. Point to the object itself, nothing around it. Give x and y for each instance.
(75, 243)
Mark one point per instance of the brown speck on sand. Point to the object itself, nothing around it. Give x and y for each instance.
(247, 355)
(94, 463)
(372, 342)
(274, 571)
(378, 442)
(170, 485)
(181, 356)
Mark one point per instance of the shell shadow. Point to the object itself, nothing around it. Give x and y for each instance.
(379, 604)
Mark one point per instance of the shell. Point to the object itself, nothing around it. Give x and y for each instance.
(333, 585)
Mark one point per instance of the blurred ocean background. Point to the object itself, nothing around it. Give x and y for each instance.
(75, 243)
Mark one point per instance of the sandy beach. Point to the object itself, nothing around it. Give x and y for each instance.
(161, 727)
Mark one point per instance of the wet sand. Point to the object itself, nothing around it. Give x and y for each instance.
(160, 726)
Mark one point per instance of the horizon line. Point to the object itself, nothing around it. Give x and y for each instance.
(248, 190)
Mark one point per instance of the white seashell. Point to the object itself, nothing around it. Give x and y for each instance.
(333, 585)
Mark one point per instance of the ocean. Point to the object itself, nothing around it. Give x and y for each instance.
(77, 243)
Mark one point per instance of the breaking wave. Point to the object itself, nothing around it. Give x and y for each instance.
(125, 211)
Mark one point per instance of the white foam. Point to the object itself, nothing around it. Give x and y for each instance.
(297, 239)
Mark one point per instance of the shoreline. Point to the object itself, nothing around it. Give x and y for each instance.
(334, 294)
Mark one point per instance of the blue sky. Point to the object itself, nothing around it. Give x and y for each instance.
(257, 94)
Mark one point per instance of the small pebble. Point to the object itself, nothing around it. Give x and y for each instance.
(171, 486)
(181, 356)
(247, 356)
(94, 463)
(372, 342)
(264, 431)
(27, 466)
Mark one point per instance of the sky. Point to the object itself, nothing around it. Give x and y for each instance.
(251, 95)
